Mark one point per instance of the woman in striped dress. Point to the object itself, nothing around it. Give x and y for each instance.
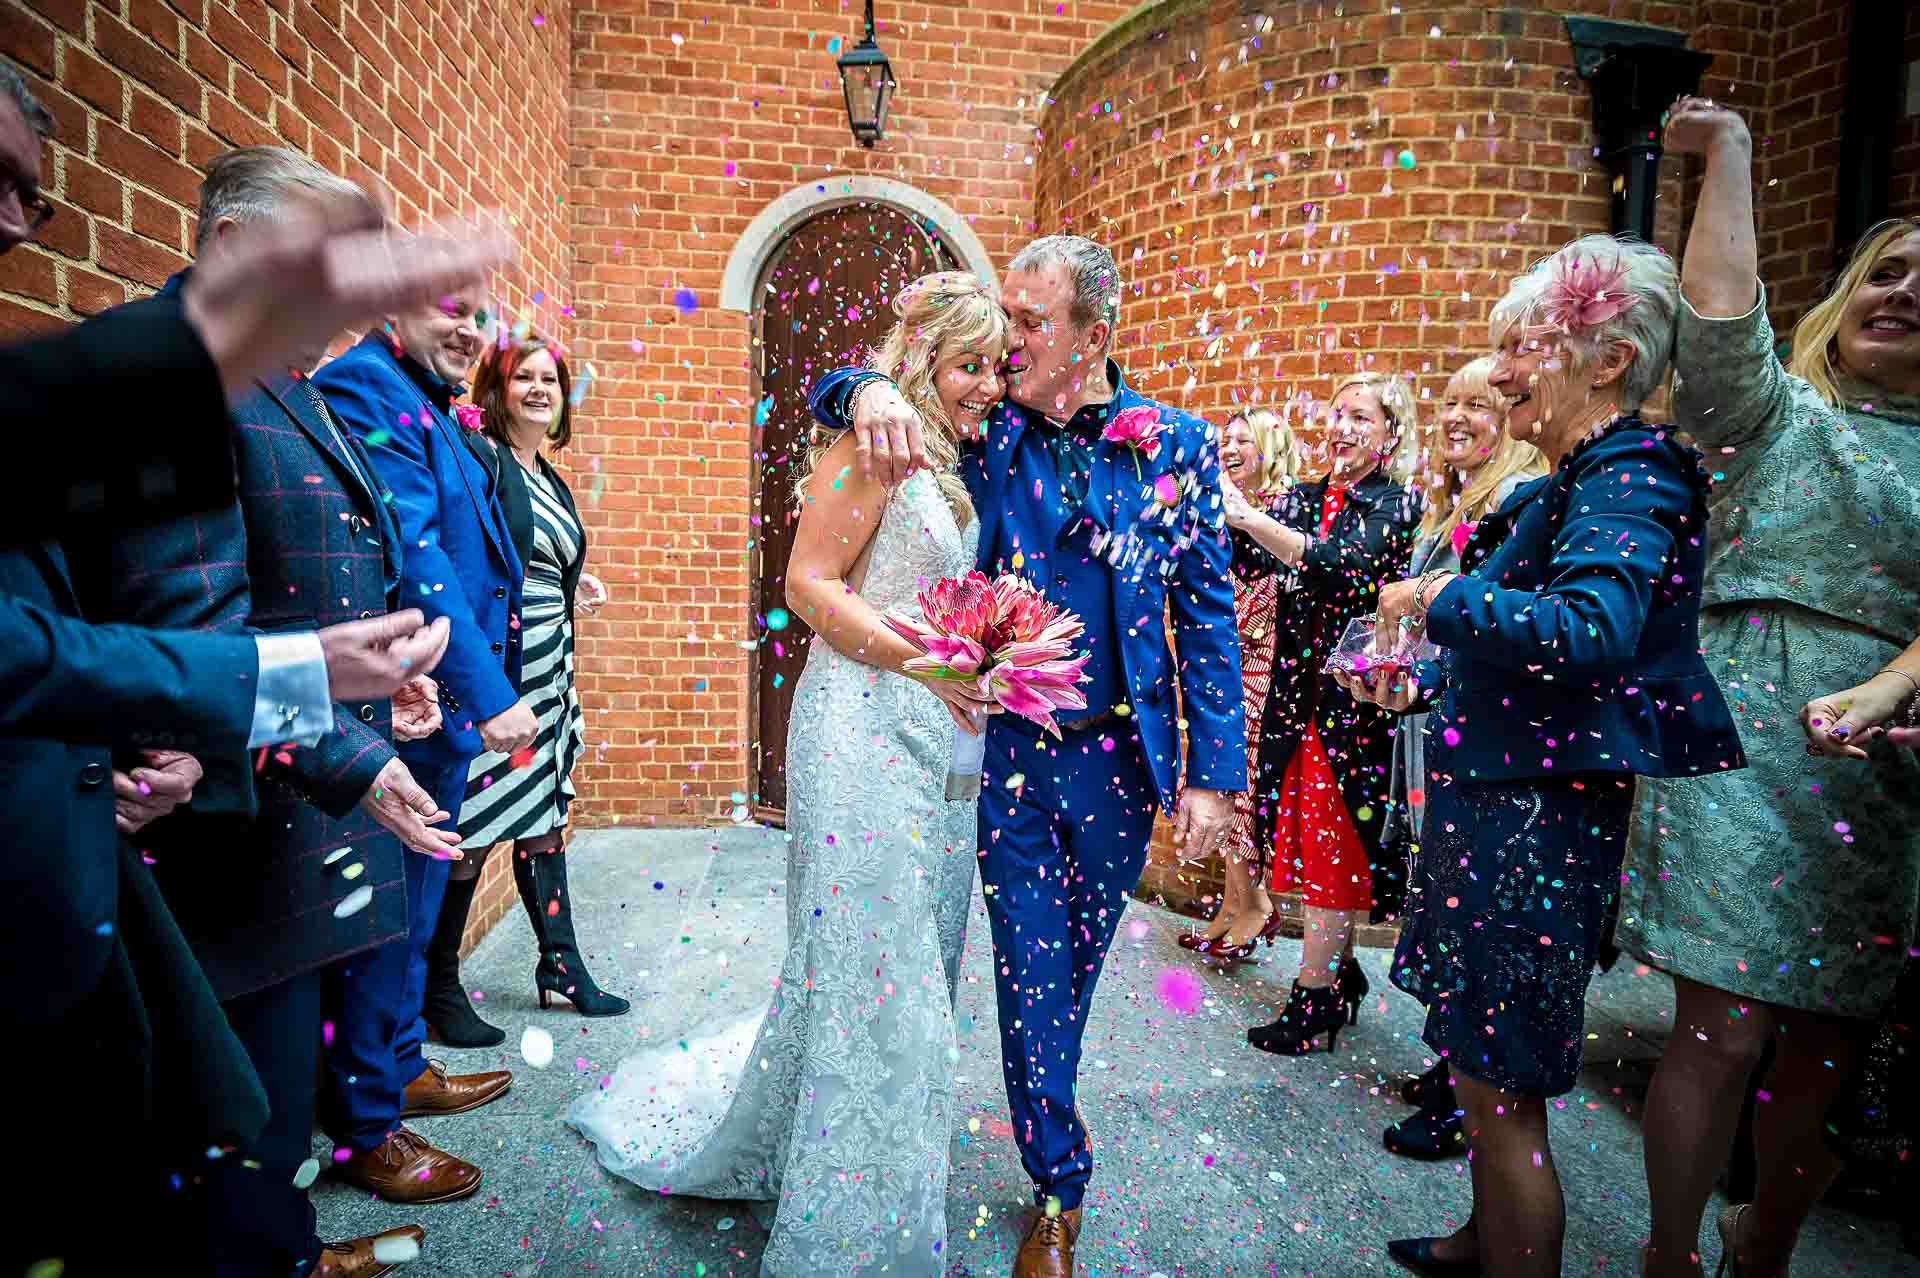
(522, 398)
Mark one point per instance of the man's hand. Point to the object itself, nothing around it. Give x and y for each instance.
(416, 709)
(149, 793)
(893, 440)
(593, 594)
(336, 254)
(512, 729)
(1201, 825)
(397, 802)
(371, 659)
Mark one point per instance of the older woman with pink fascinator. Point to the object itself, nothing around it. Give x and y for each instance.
(1784, 900)
(1570, 667)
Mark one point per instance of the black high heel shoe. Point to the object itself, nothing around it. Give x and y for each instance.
(1417, 1255)
(542, 880)
(1429, 1089)
(1429, 1135)
(1309, 1013)
(1353, 987)
(446, 1008)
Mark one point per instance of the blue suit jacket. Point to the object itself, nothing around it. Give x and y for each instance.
(1574, 640)
(1160, 556)
(458, 560)
(320, 546)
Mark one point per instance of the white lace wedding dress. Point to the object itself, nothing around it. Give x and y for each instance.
(841, 1108)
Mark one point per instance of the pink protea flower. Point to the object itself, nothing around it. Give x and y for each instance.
(468, 415)
(1005, 637)
(1138, 428)
(1581, 294)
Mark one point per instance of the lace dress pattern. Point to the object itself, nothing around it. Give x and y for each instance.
(1795, 881)
(841, 1109)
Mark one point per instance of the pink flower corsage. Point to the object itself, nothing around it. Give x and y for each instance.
(1138, 428)
(1581, 294)
(1462, 534)
(468, 415)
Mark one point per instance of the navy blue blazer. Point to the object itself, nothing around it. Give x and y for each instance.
(1573, 639)
(320, 546)
(458, 559)
(94, 954)
(185, 571)
(1164, 559)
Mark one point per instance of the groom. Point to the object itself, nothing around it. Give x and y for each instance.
(1114, 531)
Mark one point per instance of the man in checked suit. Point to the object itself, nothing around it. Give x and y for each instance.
(286, 873)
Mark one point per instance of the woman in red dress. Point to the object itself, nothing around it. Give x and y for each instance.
(1320, 792)
(1259, 457)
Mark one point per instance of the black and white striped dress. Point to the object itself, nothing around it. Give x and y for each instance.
(505, 801)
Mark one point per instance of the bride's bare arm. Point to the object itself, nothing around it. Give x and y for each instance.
(839, 518)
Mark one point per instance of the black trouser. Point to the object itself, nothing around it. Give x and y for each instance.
(251, 1220)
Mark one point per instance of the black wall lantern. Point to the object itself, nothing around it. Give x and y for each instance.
(1635, 73)
(867, 79)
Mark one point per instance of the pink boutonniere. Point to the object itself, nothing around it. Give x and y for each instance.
(1462, 534)
(468, 415)
(1138, 428)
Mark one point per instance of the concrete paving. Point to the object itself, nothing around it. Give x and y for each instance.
(1213, 1159)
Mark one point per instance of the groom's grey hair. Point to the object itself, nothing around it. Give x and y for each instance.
(1094, 273)
(13, 83)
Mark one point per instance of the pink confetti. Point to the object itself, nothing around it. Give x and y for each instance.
(1179, 990)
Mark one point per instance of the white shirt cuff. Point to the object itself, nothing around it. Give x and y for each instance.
(292, 703)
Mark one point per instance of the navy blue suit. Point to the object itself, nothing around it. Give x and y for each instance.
(1574, 642)
(1066, 824)
(458, 562)
(93, 960)
(1572, 666)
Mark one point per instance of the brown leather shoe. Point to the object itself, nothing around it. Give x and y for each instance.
(361, 1257)
(437, 1092)
(405, 1169)
(1048, 1250)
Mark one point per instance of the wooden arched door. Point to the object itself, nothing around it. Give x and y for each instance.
(824, 300)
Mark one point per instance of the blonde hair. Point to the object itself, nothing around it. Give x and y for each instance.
(1395, 398)
(1816, 354)
(1279, 450)
(1452, 498)
(1648, 325)
(940, 315)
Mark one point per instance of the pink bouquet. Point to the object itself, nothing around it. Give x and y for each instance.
(1138, 428)
(1003, 637)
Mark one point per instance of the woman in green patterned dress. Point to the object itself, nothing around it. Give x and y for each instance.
(1781, 899)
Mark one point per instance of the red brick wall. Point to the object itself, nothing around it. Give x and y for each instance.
(446, 104)
(689, 119)
(1904, 190)
(1798, 155)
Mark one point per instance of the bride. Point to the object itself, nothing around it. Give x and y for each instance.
(842, 1108)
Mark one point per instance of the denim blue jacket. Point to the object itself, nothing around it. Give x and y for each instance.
(1573, 639)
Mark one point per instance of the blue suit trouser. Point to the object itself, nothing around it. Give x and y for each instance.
(1060, 855)
(374, 1000)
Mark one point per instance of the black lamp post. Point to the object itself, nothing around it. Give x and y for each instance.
(1635, 73)
(867, 80)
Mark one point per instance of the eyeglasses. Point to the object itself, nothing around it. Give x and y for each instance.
(37, 208)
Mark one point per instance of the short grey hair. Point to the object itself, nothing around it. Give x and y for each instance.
(14, 84)
(1090, 267)
(252, 182)
(1648, 325)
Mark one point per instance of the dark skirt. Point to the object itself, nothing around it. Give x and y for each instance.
(1506, 912)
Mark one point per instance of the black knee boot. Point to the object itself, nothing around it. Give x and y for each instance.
(542, 879)
(449, 1012)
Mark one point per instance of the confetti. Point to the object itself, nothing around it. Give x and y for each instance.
(536, 1047)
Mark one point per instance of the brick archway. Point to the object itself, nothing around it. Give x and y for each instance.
(769, 230)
